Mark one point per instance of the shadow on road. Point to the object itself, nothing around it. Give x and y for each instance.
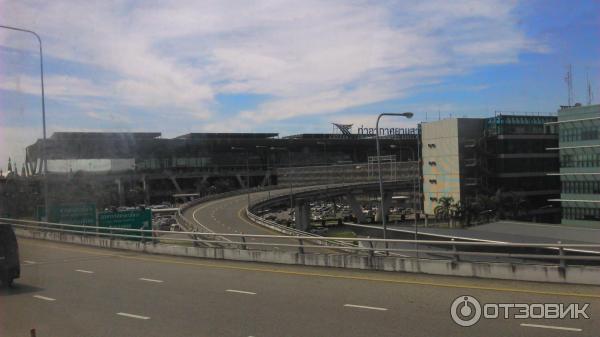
(17, 289)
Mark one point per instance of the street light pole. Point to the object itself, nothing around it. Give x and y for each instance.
(381, 209)
(44, 159)
(268, 169)
(290, 171)
(247, 173)
(418, 177)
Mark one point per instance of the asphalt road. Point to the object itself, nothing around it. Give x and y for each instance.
(228, 216)
(69, 290)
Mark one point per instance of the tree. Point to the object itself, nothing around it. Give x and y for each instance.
(515, 203)
(444, 208)
(485, 206)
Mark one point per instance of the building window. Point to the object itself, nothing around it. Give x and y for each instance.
(579, 134)
(581, 213)
(432, 163)
(580, 160)
(433, 181)
(581, 187)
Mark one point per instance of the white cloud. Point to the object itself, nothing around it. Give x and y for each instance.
(312, 57)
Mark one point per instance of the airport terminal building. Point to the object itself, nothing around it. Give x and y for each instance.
(146, 166)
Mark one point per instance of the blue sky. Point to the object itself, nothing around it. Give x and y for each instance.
(285, 66)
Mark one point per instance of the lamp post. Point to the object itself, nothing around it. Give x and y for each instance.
(290, 170)
(268, 168)
(382, 210)
(247, 172)
(326, 163)
(44, 159)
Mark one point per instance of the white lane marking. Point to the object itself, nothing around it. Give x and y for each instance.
(44, 298)
(124, 314)
(29, 261)
(150, 280)
(84, 271)
(550, 327)
(364, 307)
(240, 292)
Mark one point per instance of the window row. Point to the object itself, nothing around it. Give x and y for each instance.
(581, 187)
(581, 213)
(578, 134)
(580, 160)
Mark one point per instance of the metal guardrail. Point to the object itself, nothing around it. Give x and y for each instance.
(368, 246)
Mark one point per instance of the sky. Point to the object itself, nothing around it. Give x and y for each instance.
(285, 66)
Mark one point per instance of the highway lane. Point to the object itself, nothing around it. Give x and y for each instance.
(228, 216)
(69, 290)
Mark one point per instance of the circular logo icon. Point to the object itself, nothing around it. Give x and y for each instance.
(465, 310)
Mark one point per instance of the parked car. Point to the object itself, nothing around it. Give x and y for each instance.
(319, 230)
(10, 267)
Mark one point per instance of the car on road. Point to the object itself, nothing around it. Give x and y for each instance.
(10, 268)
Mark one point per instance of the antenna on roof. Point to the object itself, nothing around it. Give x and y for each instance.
(569, 81)
(590, 93)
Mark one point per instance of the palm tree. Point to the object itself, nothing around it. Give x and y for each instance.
(444, 208)
(516, 203)
(485, 206)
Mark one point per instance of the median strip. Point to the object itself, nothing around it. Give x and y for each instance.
(124, 314)
(364, 307)
(554, 327)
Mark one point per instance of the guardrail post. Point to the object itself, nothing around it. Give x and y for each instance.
(371, 250)
(244, 247)
(455, 251)
(561, 253)
(301, 246)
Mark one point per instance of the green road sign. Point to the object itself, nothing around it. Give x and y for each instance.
(74, 214)
(131, 219)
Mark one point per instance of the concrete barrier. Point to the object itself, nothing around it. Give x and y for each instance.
(507, 271)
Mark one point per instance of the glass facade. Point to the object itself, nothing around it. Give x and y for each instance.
(579, 150)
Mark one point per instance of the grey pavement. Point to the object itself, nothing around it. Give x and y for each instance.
(68, 290)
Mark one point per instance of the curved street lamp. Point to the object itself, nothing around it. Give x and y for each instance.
(44, 163)
(381, 208)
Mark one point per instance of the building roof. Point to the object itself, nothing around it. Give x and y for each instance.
(103, 135)
(232, 135)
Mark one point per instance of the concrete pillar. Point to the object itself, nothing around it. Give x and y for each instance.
(302, 211)
(175, 183)
(356, 208)
(241, 181)
(265, 180)
(120, 191)
(146, 187)
(387, 200)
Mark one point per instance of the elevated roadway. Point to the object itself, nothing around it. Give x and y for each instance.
(68, 290)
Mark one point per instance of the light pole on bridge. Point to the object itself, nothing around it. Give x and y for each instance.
(44, 159)
(381, 202)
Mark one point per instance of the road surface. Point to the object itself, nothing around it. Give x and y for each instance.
(69, 290)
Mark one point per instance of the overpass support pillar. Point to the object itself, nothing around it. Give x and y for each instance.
(387, 200)
(146, 187)
(243, 184)
(120, 191)
(356, 208)
(175, 183)
(302, 211)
